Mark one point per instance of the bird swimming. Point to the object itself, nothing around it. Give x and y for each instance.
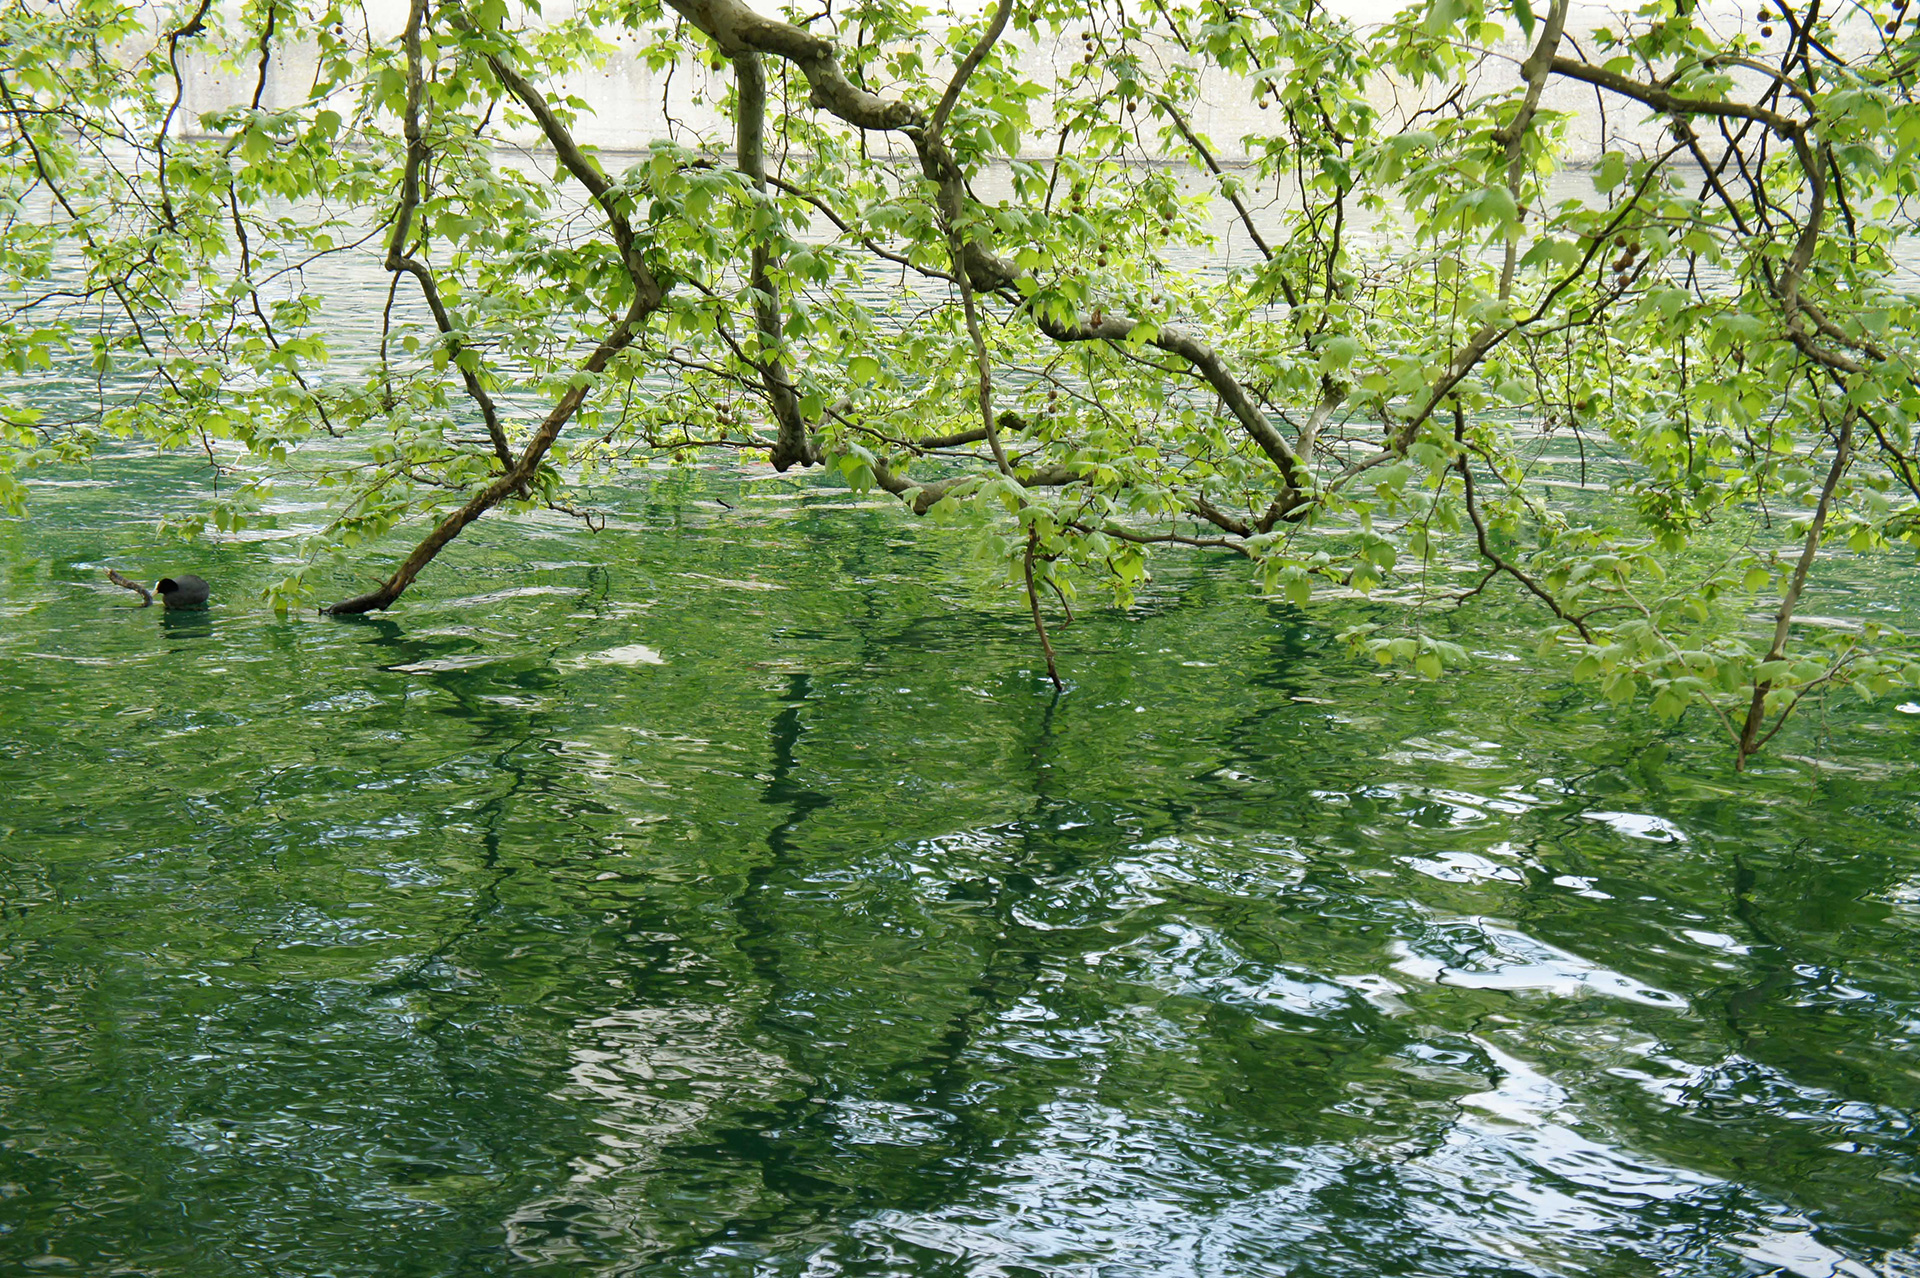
(176, 593)
(184, 591)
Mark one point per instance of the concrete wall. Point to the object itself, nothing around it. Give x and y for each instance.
(633, 106)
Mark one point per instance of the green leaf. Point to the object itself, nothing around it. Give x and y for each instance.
(1339, 351)
(1610, 172)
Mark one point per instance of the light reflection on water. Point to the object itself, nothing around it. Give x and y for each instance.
(618, 915)
(726, 894)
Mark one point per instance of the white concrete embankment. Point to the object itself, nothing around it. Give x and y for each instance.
(631, 106)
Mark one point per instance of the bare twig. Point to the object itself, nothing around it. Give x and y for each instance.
(1751, 737)
(1039, 622)
(146, 596)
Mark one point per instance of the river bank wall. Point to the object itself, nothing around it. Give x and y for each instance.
(631, 106)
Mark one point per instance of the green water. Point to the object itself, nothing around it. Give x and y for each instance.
(728, 894)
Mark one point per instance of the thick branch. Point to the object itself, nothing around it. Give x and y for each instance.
(266, 52)
(1513, 136)
(1033, 602)
(925, 495)
(193, 26)
(737, 29)
(1206, 510)
(516, 477)
(1178, 341)
(750, 116)
(647, 298)
(648, 292)
(1667, 103)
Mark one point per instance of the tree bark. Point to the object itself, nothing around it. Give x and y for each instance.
(791, 446)
(146, 596)
(1751, 736)
(648, 296)
(519, 474)
(737, 29)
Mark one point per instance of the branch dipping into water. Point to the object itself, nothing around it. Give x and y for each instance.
(146, 596)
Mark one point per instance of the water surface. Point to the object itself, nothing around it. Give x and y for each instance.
(728, 894)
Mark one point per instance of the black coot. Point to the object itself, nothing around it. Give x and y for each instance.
(184, 591)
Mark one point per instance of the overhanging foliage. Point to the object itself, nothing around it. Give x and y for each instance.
(828, 286)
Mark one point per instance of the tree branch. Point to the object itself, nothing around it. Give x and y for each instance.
(1750, 731)
(791, 447)
(398, 259)
(1487, 552)
(517, 477)
(968, 65)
